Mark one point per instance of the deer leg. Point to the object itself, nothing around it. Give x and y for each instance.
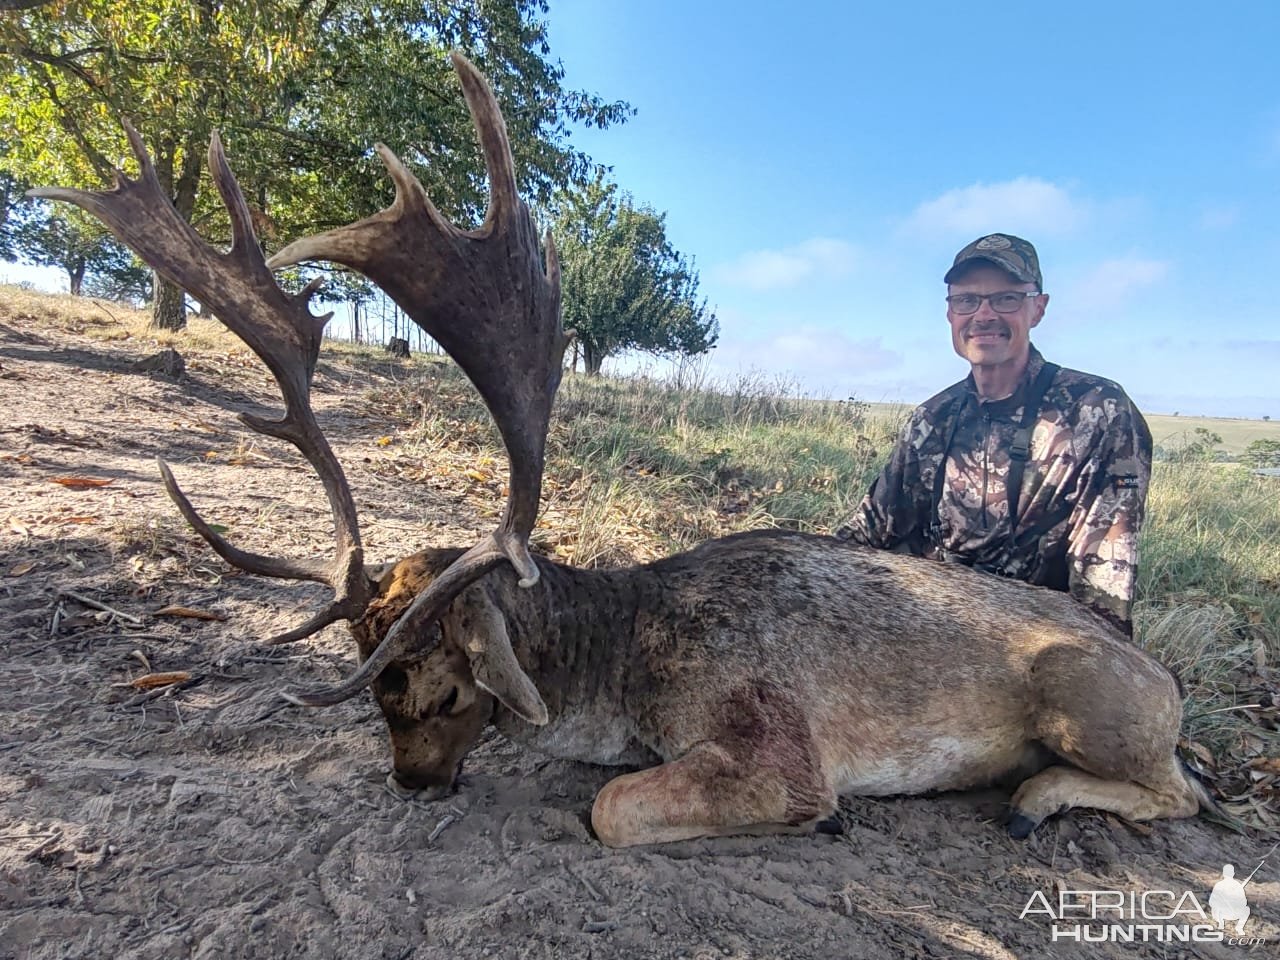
(1059, 788)
(712, 791)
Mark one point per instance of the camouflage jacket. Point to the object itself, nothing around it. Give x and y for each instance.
(1082, 495)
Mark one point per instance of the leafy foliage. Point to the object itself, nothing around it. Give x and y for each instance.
(625, 287)
(300, 91)
(95, 263)
(1262, 453)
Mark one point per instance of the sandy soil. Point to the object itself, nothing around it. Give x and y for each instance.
(209, 820)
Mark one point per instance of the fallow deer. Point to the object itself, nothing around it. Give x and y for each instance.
(755, 678)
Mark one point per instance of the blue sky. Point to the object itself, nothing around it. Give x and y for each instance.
(825, 161)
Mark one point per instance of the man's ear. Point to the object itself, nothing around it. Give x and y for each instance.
(493, 662)
(1042, 304)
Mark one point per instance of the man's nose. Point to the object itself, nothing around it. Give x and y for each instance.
(985, 312)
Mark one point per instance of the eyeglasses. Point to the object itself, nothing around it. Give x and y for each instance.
(1006, 301)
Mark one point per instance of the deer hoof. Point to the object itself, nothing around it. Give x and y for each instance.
(1021, 826)
(830, 825)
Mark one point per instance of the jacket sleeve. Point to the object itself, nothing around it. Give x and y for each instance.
(888, 516)
(1103, 547)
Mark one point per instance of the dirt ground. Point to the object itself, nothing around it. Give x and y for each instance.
(211, 820)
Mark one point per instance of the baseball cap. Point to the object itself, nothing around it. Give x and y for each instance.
(1009, 253)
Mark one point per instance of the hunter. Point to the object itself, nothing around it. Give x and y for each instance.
(1024, 469)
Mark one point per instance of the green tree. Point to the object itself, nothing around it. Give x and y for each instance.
(625, 287)
(300, 90)
(1262, 453)
(49, 236)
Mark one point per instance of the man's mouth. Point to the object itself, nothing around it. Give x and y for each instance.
(987, 336)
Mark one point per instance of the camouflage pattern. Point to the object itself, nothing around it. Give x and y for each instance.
(1011, 254)
(1082, 498)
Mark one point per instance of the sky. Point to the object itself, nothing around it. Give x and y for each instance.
(823, 162)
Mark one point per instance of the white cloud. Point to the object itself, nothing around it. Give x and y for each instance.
(812, 354)
(760, 270)
(1113, 281)
(1025, 206)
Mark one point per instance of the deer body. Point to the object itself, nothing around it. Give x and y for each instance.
(789, 669)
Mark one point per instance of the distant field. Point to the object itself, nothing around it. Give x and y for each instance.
(1168, 430)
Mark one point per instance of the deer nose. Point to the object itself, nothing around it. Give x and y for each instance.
(410, 788)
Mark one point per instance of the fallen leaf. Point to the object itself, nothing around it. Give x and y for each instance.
(62, 520)
(81, 483)
(189, 612)
(1264, 765)
(1201, 751)
(151, 681)
(383, 441)
(25, 567)
(19, 528)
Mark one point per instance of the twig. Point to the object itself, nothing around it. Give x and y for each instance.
(585, 882)
(79, 598)
(100, 306)
(441, 827)
(79, 894)
(43, 848)
(58, 612)
(599, 926)
(27, 836)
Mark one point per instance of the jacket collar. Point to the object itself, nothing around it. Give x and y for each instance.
(1010, 404)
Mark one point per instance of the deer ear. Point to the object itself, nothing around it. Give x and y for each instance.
(493, 662)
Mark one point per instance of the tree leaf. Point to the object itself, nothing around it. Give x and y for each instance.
(82, 483)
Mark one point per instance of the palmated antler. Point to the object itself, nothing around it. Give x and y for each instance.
(484, 297)
(279, 327)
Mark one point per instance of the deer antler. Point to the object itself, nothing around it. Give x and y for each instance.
(279, 327)
(483, 296)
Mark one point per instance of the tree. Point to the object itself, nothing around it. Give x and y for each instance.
(49, 236)
(1262, 453)
(300, 91)
(624, 286)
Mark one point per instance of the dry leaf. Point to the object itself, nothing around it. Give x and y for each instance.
(1201, 751)
(81, 483)
(1264, 765)
(190, 612)
(151, 681)
(479, 476)
(86, 519)
(19, 528)
(383, 441)
(25, 567)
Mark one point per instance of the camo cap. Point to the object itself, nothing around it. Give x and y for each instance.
(1011, 254)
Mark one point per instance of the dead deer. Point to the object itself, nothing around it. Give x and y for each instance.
(755, 678)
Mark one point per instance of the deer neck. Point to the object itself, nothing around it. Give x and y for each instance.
(575, 636)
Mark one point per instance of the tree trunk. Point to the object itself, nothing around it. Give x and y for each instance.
(169, 309)
(75, 276)
(592, 359)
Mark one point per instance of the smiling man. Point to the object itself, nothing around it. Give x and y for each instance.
(1023, 469)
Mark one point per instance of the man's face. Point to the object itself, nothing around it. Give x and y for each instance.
(988, 338)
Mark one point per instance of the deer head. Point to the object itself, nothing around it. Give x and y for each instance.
(483, 294)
